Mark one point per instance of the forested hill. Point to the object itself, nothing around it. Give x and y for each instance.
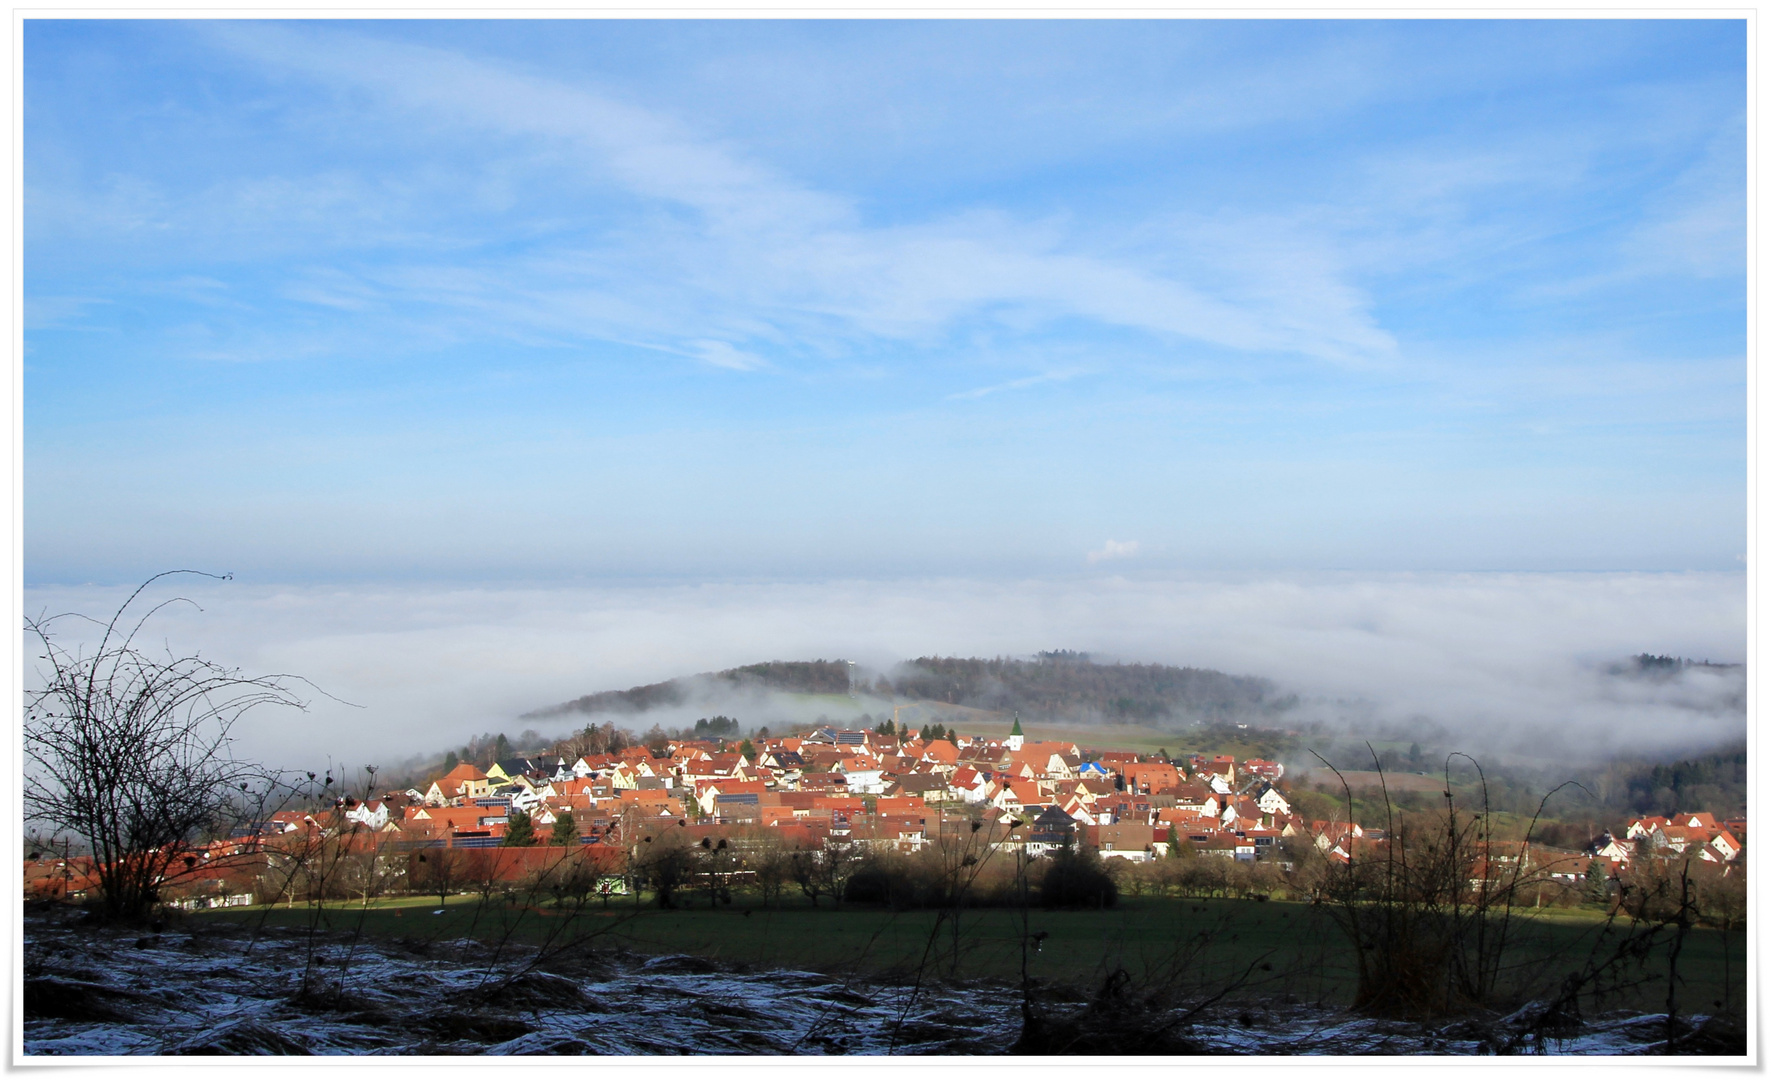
(786, 676)
(1066, 685)
(1062, 685)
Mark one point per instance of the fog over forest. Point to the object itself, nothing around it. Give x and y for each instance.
(1503, 661)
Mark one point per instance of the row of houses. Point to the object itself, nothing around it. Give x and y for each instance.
(879, 789)
(1712, 840)
(871, 791)
(833, 779)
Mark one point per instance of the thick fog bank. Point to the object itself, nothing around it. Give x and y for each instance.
(1503, 662)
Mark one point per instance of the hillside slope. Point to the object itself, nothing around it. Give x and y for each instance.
(1067, 686)
(783, 676)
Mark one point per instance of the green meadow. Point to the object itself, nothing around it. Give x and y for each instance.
(1267, 949)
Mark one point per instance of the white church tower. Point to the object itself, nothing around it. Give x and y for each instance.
(1015, 738)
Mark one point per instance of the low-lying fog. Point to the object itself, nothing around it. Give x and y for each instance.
(1506, 661)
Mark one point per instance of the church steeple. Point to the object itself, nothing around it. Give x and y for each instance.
(1015, 737)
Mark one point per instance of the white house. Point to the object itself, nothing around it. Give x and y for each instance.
(865, 781)
(371, 814)
(1271, 802)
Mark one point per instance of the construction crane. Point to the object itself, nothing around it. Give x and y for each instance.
(896, 709)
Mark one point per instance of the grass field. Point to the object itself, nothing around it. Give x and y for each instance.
(1371, 780)
(1279, 947)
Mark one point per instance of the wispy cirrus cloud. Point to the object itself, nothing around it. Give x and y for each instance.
(1378, 294)
(1015, 384)
(723, 355)
(762, 257)
(44, 312)
(1697, 225)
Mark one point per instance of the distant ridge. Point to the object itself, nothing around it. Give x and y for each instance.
(785, 676)
(1060, 685)
(1054, 685)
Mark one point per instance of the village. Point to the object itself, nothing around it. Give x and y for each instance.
(833, 796)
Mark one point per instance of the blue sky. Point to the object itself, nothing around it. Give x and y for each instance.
(715, 300)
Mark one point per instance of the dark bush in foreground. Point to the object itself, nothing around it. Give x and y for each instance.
(930, 880)
(893, 883)
(1077, 879)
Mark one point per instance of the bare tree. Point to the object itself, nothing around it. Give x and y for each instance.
(132, 752)
(666, 866)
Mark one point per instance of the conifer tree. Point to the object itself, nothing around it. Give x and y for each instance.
(565, 830)
(519, 831)
(1598, 886)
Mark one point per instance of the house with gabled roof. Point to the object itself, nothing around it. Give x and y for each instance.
(1049, 758)
(713, 792)
(533, 794)
(1199, 799)
(1606, 846)
(783, 759)
(889, 832)
(1224, 845)
(462, 782)
(1151, 777)
(1675, 838)
(1130, 841)
(1078, 811)
(1331, 834)
(509, 769)
(1003, 796)
(970, 785)
(372, 813)
(1567, 869)
(1264, 841)
(1293, 825)
(1243, 814)
(1722, 847)
(594, 765)
(941, 752)
(1051, 829)
(1183, 817)
(1641, 827)
(1271, 800)
(863, 775)
(924, 787)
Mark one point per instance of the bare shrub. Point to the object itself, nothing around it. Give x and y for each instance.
(666, 865)
(133, 753)
(1429, 907)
